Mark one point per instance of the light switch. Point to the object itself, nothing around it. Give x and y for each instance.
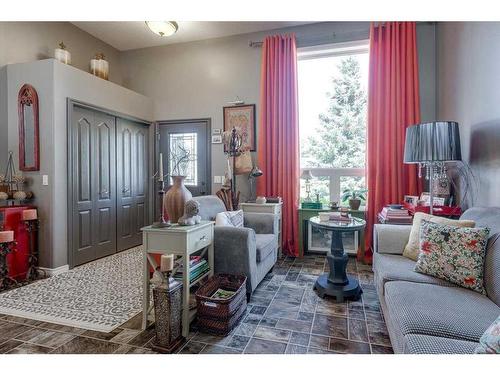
(45, 180)
(217, 179)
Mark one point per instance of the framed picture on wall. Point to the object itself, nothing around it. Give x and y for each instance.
(242, 118)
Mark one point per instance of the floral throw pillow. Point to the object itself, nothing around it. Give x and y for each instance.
(489, 343)
(453, 254)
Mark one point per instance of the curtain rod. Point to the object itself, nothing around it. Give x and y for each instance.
(332, 36)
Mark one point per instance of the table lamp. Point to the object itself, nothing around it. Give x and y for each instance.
(306, 175)
(431, 145)
(255, 172)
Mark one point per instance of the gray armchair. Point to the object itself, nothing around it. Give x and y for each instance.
(252, 250)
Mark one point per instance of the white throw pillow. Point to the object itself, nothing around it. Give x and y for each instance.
(230, 219)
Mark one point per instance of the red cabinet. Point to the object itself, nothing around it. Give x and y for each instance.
(11, 219)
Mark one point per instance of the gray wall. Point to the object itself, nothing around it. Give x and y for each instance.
(55, 82)
(28, 41)
(195, 80)
(469, 92)
(3, 119)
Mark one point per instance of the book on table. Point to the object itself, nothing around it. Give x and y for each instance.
(198, 267)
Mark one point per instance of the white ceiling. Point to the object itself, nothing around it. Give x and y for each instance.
(135, 34)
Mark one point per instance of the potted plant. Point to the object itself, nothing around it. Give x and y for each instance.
(354, 197)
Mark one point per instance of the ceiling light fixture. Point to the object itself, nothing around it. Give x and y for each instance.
(163, 28)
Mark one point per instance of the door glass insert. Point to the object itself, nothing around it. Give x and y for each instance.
(183, 160)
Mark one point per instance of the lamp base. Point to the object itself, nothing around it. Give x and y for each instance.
(172, 348)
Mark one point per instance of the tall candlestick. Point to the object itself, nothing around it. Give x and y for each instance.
(30, 214)
(160, 177)
(6, 236)
(167, 262)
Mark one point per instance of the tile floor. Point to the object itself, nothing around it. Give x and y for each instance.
(284, 316)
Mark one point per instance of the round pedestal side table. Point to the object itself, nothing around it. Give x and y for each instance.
(336, 283)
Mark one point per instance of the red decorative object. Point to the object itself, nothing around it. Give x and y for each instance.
(278, 143)
(18, 260)
(438, 210)
(28, 97)
(393, 105)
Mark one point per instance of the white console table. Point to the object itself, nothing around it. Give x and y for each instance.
(181, 241)
(265, 208)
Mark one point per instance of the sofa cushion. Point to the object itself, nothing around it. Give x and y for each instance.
(424, 344)
(435, 310)
(453, 254)
(229, 219)
(389, 267)
(412, 248)
(266, 244)
(489, 343)
(489, 217)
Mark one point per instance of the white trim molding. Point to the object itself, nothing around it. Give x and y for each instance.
(55, 271)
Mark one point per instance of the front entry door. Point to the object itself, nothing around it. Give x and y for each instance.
(188, 142)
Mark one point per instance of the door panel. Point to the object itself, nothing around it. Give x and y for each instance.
(104, 176)
(193, 136)
(133, 182)
(94, 204)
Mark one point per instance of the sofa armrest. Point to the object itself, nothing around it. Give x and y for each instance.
(261, 223)
(234, 250)
(390, 239)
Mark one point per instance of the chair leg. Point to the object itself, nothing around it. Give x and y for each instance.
(248, 296)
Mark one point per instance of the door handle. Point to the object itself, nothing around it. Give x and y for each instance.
(125, 190)
(104, 192)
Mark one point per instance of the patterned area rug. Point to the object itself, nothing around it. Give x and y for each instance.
(101, 295)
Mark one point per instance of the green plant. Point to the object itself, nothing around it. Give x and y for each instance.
(353, 194)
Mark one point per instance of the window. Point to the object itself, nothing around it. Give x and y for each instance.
(183, 158)
(333, 82)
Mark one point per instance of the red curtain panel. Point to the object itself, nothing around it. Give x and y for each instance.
(393, 105)
(278, 135)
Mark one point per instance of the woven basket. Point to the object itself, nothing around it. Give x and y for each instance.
(217, 308)
(222, 327)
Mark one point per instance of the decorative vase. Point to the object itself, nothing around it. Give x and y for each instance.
(62, 54)
(99, 66)
(261, 200)
(175, 198)
(354, 204)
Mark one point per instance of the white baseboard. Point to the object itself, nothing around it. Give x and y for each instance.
(55, 271)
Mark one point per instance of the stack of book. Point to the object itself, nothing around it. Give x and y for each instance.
(339, 217)
(198, 267)
(393, 215)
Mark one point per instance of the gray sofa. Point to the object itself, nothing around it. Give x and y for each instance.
(252, 250)
(428, 315)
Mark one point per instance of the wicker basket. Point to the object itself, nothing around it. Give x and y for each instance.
(221, 327)
(218, 308)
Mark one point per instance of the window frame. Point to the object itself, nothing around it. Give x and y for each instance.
(334, 50)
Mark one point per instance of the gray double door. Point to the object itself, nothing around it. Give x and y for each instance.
(110, 184)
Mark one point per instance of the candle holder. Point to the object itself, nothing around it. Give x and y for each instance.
(168, 308)
(33, 273)
(5, 280)
(161, 223)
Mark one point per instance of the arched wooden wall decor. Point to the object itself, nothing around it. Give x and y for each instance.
(29, 142)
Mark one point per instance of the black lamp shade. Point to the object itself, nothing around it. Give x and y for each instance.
(432, 141)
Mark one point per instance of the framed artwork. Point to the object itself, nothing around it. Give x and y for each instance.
(242, 118)
(411, 199)
(217, 138)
